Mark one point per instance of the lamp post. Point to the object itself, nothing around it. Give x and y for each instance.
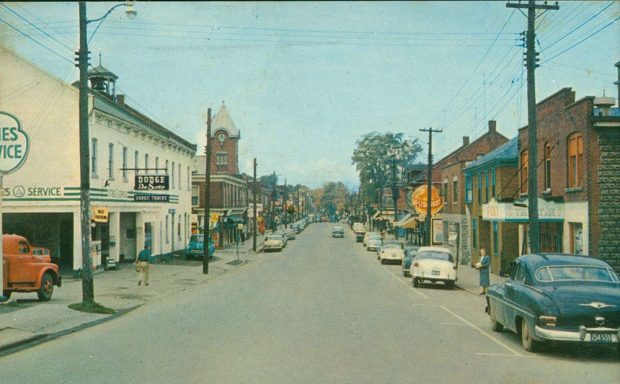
(88, 292)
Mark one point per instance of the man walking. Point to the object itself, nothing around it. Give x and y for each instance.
(142, 265)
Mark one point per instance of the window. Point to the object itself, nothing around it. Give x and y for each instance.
(468, 189)
(455, 190)
(444, 190)
(479, 188)
(547, 166)
(110, 161)
(135, 161)
(124, 164)
(172, 175)
(575, 161)
(195, 195)
(93, 158)
(157, 164)
(486, 186)
(524, 168)
(576, 238)
(146, 163)
(521, 273)
(495, 238)
(474, 233)
(179, 228)
(493, 175)
(189, 183)
(179, 176)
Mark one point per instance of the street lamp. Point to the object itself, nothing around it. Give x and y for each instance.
(88, 293)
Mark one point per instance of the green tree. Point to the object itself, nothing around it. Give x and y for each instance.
(376, 154)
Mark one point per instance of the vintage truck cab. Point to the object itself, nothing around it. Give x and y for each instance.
(27, 268)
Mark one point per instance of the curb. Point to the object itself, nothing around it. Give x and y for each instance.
(41, 338)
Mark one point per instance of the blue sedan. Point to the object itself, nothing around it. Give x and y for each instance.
(195, 248)
(556, 297)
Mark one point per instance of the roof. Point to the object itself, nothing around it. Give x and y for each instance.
(539, 259)
(102, 71)
(507, 153)
(223, 121)
(434, 248)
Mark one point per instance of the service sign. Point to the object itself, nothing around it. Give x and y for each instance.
(13, 144)
(100, 214)
(151, 183)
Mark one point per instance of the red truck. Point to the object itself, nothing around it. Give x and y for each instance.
(27, 268)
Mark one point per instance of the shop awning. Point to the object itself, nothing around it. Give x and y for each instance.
(402, 220)
(410, 223)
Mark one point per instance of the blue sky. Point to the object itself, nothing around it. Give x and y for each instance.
(304, 80)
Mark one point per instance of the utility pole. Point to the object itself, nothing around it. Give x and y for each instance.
(427, 221)
(207, 219)
(284, 201)
(254, 214)
(532, 166)
(273, 204)
(395, 196)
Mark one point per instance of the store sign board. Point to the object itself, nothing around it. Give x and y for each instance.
(419, 200)
(151, 183)
(547, 210)
(14, 144)
(100, 214)
(151, 198)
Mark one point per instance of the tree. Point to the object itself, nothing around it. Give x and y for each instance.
(376, 154)
(333, 198)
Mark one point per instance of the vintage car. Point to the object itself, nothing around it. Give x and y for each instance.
(27, 268)
(434, 264)
(273, 242)
(338, 232)
(557, 297)
(391, 251)
(410, 252)
(195, 247)
(373, 244)
(371, 235)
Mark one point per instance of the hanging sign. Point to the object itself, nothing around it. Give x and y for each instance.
(14, 144)
(100, 214)
(151, 183)
(419, 200)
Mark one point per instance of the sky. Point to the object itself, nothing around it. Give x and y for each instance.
(303, 81)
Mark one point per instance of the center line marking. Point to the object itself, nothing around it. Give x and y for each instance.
(481, 331)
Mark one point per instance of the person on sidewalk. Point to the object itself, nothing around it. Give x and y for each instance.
(142, 265)
(483, 267)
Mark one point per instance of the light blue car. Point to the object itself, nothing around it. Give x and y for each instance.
(195, 248)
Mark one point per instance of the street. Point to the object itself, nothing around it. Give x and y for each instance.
(321, 311)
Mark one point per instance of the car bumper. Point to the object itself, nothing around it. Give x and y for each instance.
(585, 335)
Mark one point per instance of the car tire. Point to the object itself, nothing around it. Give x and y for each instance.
(7, 295)
(528, 343)
(416, 283)
(450, 284)
(47, 287)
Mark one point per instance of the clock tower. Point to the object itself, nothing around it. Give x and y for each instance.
(225, 144)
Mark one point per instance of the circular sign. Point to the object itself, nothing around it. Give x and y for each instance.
(419, 200)
(13, 144)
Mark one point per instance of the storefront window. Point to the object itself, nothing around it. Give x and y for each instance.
(468, 189)
(576, 238)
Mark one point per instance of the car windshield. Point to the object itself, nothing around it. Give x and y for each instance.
(197, 238)
(435, 255)
(575, 272)
(391, 246)
(274, 237)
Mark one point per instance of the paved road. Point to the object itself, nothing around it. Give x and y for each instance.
(322, 311)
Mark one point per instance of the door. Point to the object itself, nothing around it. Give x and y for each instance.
(22, 268)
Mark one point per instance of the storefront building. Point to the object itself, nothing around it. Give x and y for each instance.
(41, 201)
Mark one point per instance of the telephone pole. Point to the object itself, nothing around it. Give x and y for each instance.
(254, 214)
(207, 219)
(531, 62)
(427, 221)
(395, 196)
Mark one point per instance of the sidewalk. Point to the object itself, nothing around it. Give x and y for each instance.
(469, 279)
(25, 321)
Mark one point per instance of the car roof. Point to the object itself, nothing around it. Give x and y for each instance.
(540, 259)
(434, 248)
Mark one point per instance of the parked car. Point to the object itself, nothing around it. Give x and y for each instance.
(27, 268)
(558, 297)
(273, 242)
(373, 244)
(283, 236)
(338, 232)
(290, 233)
(391, 251)
(434, 264)
(195, 247)
(410, 252)
(369, 235)
(360, 231)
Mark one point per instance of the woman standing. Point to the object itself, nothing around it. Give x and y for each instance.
(483, 267)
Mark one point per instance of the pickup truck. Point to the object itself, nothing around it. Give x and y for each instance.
(27, 268)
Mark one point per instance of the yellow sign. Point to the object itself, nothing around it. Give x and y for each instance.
(215, 217)
(419, 200)
(100, 214)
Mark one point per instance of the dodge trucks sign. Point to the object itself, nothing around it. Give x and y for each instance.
(13, 144)
(151, 183)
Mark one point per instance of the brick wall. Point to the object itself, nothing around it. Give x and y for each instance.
(609, 211)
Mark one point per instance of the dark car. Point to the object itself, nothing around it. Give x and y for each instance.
(195, 247)
(557, 297)
(410, 252)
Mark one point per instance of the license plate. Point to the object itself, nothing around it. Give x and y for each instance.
(600, 337)
(435, 272)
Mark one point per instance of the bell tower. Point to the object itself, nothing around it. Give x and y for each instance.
(102, 80)
(225, 145)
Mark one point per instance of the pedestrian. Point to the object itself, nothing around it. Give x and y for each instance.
(142, 265)
(483, 267)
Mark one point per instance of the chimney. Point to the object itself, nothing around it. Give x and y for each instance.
(492, 126)
(120, 100)
(465, 141)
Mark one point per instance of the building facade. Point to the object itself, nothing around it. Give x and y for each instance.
(42, 199)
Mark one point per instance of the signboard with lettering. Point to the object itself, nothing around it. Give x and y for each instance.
(14, 144)
(100, 214)
(419, 200)
(151, 198)
(151, 183)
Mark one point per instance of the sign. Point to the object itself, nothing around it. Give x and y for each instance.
(14, 144)
(151, 198)
(151, 183)
(419, 200)
(518, 212)
(215, 217)
(100, 214)
(171, 211)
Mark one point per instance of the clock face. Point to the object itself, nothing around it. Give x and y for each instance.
(221, 137)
